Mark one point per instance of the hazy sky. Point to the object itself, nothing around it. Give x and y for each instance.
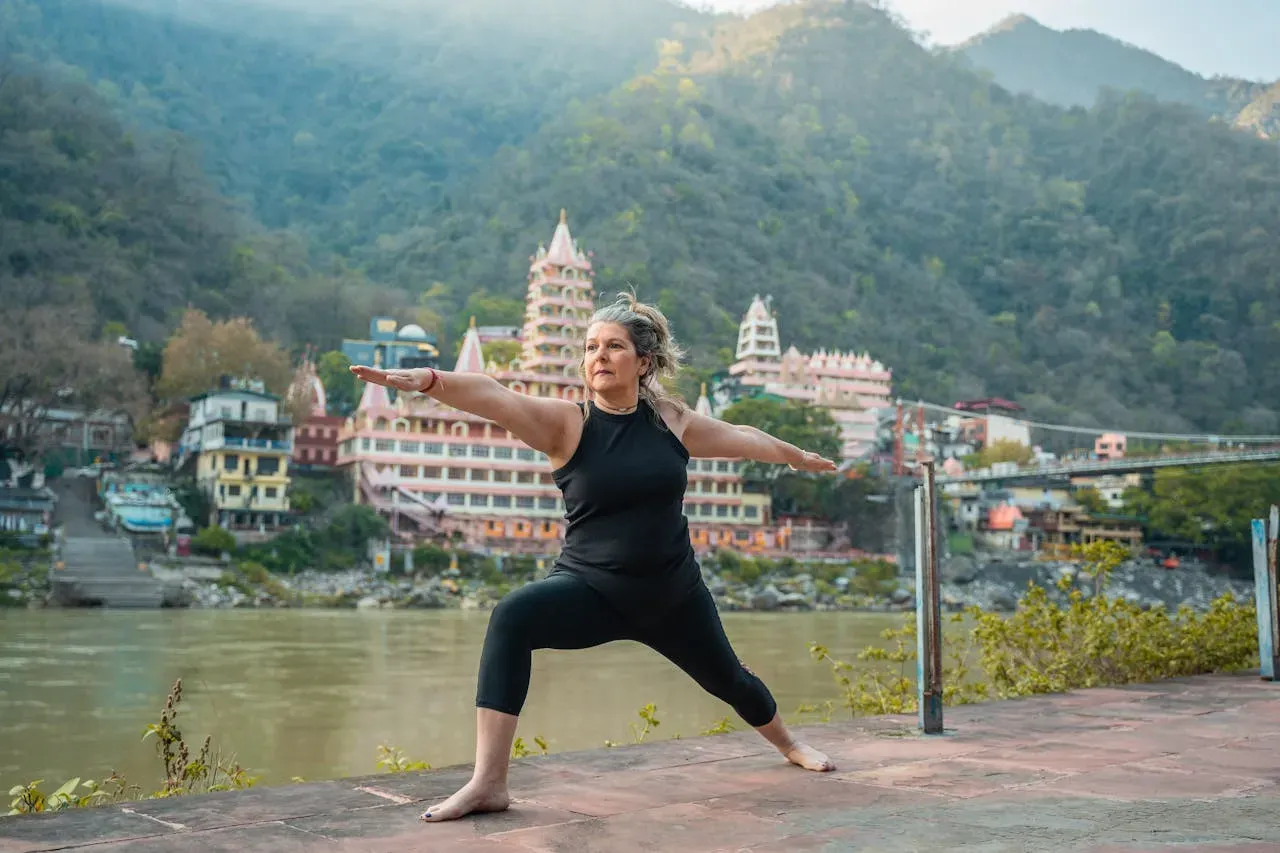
(1237, 38)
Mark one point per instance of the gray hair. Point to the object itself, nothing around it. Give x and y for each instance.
(650, 334)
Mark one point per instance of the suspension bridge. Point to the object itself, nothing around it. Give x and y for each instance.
(1218, 449)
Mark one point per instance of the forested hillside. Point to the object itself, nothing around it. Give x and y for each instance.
(93, 218)
(1071, 68)
(346, 124)
(1115, 265)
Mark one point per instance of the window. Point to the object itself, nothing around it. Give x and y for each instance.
(751, 511)
(432, 448)
(722, 467)
(480, 451)
(722, 511)
(546, 479)
(233, 491)
(409, 447)
(457, 473)
(457, 450)
(268, 466)
(384, 445)
(546, 503)
(270, 491)
(524, 477)
(524, 502)
(502, 476)
(457, 500)
(230, 462)
(479, 475)
(479, 500)
(364, 445)
(524, 454)
(408, 470)
(502, 453)
(431, 472)
(502, 501)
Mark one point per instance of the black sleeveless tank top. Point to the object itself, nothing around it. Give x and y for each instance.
(626, 532)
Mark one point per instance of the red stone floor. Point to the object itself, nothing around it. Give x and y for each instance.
(1190, 764)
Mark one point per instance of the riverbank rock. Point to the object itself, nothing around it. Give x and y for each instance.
(993, 582)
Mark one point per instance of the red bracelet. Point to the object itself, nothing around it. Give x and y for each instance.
(432, 383)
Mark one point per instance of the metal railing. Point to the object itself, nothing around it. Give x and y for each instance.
(1105, 466)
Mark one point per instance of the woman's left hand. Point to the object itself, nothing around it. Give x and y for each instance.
(813, 462)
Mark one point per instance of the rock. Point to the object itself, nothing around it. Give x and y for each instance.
(767, 598)
(959, 570)
(796, 601)
(368, 603)
(901, 596)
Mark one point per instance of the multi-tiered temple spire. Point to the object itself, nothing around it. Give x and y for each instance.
(558, 307)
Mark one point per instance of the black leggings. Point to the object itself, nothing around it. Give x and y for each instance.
(563, 612)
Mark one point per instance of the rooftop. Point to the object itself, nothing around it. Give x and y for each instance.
(1187, 764)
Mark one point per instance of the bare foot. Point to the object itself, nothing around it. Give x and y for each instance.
(473, 798)
(805, 756)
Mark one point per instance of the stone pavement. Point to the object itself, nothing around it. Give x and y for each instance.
(1190, 764)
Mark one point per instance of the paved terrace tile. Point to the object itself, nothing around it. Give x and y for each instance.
(1184, 765)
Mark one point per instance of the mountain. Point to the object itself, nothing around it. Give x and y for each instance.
(99, 222)
(1109, 265)
(1071, 67)
(346, 120)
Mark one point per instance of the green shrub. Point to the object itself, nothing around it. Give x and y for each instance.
(1048, 647)
(213, 541)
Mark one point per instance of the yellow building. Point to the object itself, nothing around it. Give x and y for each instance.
(238, 444)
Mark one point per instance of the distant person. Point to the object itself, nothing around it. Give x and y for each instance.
(627, 570)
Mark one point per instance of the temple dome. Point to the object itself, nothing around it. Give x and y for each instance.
(412, 332)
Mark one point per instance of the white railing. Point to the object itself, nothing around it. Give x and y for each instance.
(1105, 466)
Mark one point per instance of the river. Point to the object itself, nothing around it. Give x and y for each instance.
(312, 693)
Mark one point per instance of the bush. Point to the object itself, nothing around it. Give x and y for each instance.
(1047, 647)
(213, 541)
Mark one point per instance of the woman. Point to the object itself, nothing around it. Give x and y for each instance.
(627, 569)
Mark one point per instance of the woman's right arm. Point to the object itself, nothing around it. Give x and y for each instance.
(544, 423)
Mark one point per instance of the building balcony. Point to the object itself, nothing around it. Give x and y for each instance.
(259, 504)
(279, 478)
(265, 445)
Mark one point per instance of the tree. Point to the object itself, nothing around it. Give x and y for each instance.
(501, 353)
(341, 388)
(807, 427)
(49, 360)
(202, 351)
(1209, 506)
(1001, 450)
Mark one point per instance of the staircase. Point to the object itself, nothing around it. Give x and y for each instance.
(98, 569)
(102, 572)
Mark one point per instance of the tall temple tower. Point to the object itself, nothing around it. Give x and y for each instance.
(560, 301)
(759, 355)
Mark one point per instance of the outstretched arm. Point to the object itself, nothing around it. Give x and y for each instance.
(707, 437)
(543, 423)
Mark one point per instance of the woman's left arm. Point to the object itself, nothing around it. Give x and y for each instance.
(710, 438)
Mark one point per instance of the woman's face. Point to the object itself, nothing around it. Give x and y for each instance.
(610, 360)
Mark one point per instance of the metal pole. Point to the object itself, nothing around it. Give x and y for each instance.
(1264, 577)
(928, 617)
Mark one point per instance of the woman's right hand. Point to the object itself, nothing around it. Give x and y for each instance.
(414, 379)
